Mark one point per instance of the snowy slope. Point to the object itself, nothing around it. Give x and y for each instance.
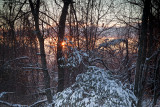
(95, 88)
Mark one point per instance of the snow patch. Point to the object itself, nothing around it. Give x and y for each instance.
(95, 88)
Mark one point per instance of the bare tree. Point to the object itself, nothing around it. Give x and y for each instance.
(61, 31)
(139, 76)
(35, 13)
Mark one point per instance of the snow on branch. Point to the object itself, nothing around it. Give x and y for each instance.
(75, 58)
(19, 58)
(3, 93)
(35, 68)
(36, 104)
(7, 103)
(96, 88)
(12, 105)
(111, 43)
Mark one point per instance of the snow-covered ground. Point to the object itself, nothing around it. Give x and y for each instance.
(95, 88)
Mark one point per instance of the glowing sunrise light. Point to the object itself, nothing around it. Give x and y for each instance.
(63, 43)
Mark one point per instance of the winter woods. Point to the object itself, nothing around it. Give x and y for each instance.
(79, 53)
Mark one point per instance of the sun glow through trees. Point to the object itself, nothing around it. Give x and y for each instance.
(63, 44)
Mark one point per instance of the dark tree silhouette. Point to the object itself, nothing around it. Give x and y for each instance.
(59, 44)
(35, 13)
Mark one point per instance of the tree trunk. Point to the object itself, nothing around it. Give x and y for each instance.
(142, 50)
(156, 81)
(35, 13)
(142, 45)
(61, 32)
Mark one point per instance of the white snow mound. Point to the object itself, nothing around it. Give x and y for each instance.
(95, 88)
